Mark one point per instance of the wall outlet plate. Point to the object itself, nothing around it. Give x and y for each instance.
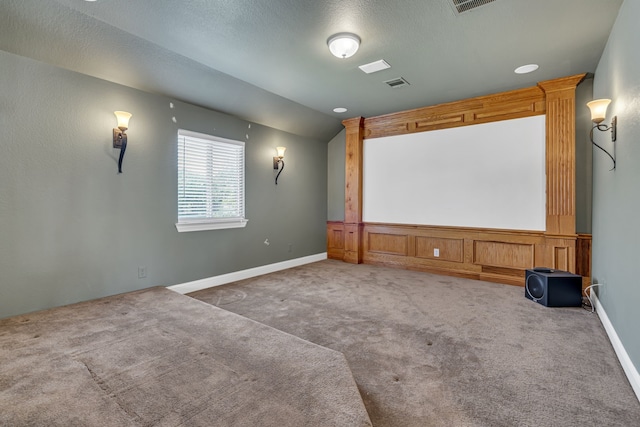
(142, 272)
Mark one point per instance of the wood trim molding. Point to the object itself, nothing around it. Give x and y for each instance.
(484, 109)
(494, 255)
(561, 84)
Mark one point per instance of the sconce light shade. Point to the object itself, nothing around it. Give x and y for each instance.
(119, 135)
(123, 119)
(598, 109)
(343, 45)
(277, 161)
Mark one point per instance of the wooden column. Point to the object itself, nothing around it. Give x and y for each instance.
(561, 154)
(353, 190)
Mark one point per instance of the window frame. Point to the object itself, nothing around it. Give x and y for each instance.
(209, 223)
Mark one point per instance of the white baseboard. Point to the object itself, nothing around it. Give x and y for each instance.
(623, 356)
(209, 282)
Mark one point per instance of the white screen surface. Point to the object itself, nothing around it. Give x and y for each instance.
(488, 176)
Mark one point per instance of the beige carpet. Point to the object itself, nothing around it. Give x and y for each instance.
(428, 350)
(157, 358)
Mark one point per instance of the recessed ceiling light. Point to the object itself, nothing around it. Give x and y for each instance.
(526, 69)
(339, 110)
(372, 67)
(343, 45)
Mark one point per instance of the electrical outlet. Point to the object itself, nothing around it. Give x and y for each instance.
(436, 252)
(142, 272)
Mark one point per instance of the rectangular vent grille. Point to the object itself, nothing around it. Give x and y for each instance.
(397, 82)
(460, 6)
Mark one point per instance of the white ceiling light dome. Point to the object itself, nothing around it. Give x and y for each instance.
(343, 45)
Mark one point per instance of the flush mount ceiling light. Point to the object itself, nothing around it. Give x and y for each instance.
(529, 68)
(343, 45)
(339, 110)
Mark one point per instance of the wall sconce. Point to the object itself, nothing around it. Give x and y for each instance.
(119, 135)
(277, 160)
(343, 45)
(598, 109)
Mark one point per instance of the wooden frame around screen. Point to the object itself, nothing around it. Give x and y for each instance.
(496, 255)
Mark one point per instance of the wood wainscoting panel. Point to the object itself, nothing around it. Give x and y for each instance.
(353, 243)
(338, 239)
(449, 249)
(583, 258)
(561, 257)
(351, 237)
(505, 255)
(557, 253)
(382, 243)
(335, 240)
(484, 254)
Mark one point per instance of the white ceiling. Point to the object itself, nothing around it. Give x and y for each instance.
(268, 62)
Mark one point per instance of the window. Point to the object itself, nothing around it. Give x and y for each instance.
(210, 182)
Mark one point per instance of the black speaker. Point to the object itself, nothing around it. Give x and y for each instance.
(553, 288)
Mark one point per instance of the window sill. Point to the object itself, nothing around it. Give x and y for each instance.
(184, 227)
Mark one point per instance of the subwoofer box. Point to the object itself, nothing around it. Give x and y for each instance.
(553, 288)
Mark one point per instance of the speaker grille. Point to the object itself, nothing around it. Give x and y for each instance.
(535, 287)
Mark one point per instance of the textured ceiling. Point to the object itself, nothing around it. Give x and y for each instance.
(267, 61)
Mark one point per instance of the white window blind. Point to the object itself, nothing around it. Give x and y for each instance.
(210, 182)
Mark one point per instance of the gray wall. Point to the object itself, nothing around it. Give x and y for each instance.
(616, 194)
(584, 157)
(72, 229)
(336, 176)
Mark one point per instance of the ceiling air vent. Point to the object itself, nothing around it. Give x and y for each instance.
(460, 6)
(397, 82)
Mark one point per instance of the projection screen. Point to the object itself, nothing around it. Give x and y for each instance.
(488, 176)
